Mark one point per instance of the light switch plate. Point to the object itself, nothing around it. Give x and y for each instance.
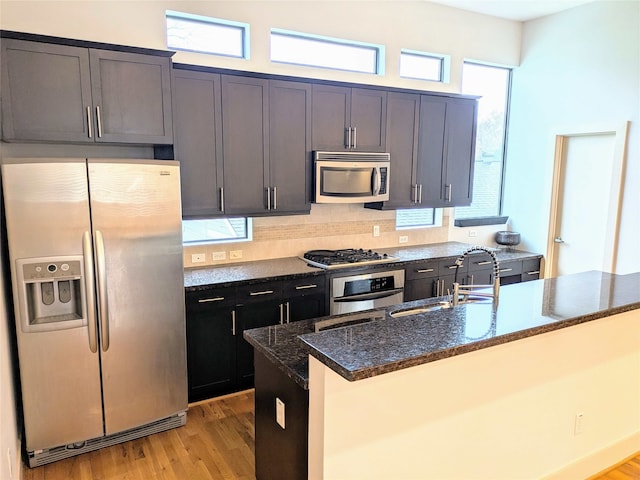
(219, 256)
(198, 258)
(280, 412)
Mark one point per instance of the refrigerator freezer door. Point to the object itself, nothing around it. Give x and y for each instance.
(47, 212)
(136, 217)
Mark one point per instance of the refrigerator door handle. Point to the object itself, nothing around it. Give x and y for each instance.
(89, 286)
(102, 292)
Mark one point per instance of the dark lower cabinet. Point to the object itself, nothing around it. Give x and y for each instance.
(281, 453)
(219, 359)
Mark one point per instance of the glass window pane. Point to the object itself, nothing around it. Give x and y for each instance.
(215, 230)
(207, 35)
(414, 218)
(327, 53)
(424, 67)
(492, 84)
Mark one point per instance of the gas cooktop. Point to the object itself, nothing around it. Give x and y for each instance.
(348, 257)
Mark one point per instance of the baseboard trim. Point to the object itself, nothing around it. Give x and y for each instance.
(597, 463)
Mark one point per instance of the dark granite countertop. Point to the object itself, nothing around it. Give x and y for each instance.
(292, 267)
(389, 344)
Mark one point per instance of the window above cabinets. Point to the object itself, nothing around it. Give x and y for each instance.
(216, 230)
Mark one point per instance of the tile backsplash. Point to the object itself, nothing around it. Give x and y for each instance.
(327, 227)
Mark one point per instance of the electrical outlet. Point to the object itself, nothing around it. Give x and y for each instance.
(219, 256)
(280, 412)
(578, 426)
(198, 258)
(473, 233)
(376, 230)
(403, 239)
(235, 254)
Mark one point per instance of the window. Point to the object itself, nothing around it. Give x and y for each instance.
(424, 66)
(207, 35)
(418, 218)
(216, 230)
(492, 84)
(317, 51)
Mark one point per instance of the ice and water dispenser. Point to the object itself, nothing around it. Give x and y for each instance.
(52, 293)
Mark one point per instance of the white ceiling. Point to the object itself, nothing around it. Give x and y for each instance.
(521, 10)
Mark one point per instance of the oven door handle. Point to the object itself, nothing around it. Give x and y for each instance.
(369, 296)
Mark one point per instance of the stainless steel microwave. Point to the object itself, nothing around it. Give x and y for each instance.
(351, 177)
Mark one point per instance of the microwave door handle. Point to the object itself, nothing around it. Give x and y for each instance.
(377, 181)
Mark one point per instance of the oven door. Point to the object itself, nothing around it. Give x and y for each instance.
(353, 293)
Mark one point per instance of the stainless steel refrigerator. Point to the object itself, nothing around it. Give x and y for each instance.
(97, 274)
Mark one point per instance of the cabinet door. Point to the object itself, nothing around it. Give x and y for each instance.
(331, 111)
(368, 120)
(132, 97)
(46, 91)
(211, 343)
(530, 270)
(290, 146)
(403, 112)
(419, 289)
(305, 299)
(431, 150)
(259, 305)
(198, 140)
(245, 141)
(459, 152)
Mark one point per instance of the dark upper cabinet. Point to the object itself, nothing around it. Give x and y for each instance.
(446, 147)
(403, 115)
(289, 184)
(347, 118)
(245, 143)
(61, 93)
(198, 140)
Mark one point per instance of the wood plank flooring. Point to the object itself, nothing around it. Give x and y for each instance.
(217, 443)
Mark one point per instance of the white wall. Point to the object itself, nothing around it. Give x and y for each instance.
(501, 413)
(580, 70)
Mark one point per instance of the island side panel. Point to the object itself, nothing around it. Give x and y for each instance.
(280, 452)
(501, 413)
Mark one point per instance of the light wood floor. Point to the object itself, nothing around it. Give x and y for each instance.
(215, 444)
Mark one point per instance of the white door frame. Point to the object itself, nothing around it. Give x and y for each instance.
(615, 199)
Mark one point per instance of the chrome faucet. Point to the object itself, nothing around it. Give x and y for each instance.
(467, 290)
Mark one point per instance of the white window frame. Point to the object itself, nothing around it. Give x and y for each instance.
(377, 68)
(444, 70)
(215, 24)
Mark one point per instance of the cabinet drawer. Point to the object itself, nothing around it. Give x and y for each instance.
(530, 270)
(480, 261)
(218, 297)
(448, 266)
(259, 292)
(302, 287)
(422, 270)
(508, 269)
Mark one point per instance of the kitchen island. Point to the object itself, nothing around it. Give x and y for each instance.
(470, 391)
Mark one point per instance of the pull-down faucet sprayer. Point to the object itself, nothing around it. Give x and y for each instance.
(466, 290)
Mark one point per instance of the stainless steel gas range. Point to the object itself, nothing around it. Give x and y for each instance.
(353, 292)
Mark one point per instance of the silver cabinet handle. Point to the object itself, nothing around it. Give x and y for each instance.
(414, 188)
(207, 300)
(355, 137)
(281, 314)
(483, 263)
(424, 270)
(103, 309)
(222, 199)
(89, 285)
(288, 312)
(268, 189)
(349, 137)
(558, 240)
(233, 322)
(99, 121)
(304, 287)
(502, 270)
(264, 292)
(535, 272)
(420, 193)
(449, 189)
(89, 122)
(275, 198)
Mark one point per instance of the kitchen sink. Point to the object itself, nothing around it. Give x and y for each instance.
(432, 307)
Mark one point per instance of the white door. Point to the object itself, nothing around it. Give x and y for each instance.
(586, 202)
